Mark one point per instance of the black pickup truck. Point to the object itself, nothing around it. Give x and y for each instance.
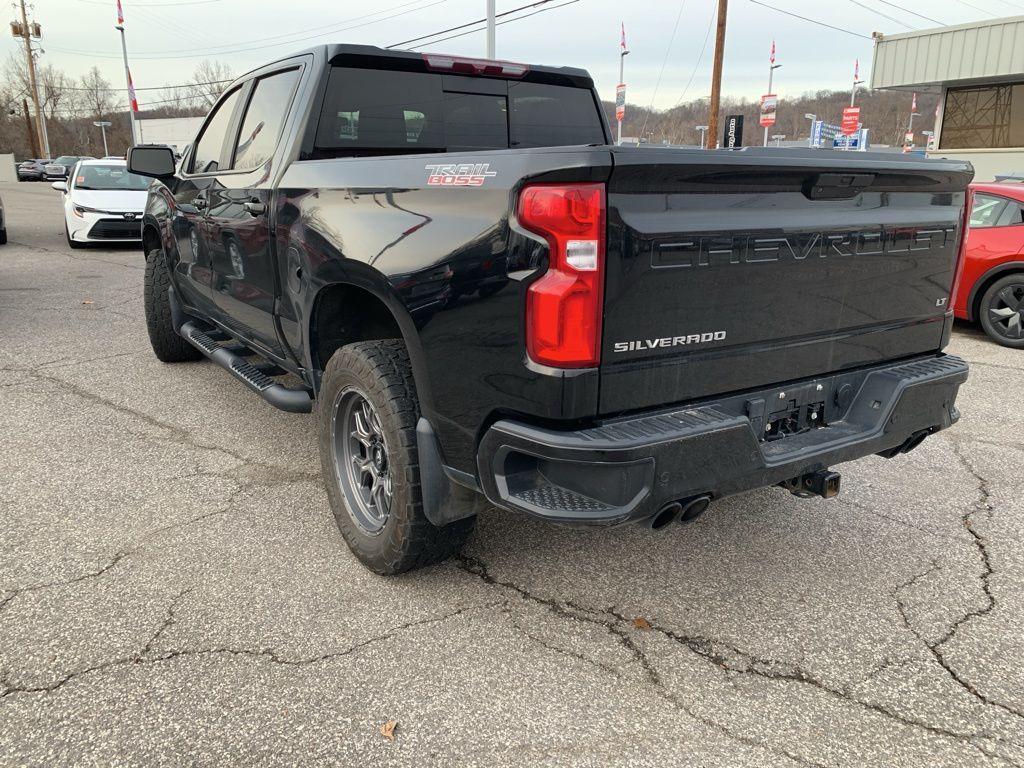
(487, 300)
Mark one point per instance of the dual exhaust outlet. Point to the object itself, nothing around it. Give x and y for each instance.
(824, 483)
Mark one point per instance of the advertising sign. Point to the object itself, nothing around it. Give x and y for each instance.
(909, 138)
(733, 135)
(851, 120)
(769, 103)
(620, 101)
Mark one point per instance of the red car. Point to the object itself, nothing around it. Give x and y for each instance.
(991, 285)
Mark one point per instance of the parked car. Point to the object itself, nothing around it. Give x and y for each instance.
(60, 167)
(990, 287)
(3, 223)
(32, 170)
(103, 203)
(489, 301)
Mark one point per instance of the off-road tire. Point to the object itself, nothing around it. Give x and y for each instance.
(168, 346)
(380, 371)
(984, 306)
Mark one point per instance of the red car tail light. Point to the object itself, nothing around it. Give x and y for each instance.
(564, 307)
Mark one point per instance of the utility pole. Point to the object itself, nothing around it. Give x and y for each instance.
(716, 73)
(26, 33)
(132, 104)
(490, 29)
(856, 82)
(910, 124)
(103, 125)
(33, 139)
(703, 129)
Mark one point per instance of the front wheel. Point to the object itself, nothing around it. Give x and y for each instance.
(1001, 311)
(168, 345)
(368, 410)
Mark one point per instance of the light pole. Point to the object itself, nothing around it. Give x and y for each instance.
(777, 138)
(103, 125)
(490, 29)
(620, 112)
(703, 133)
(810, 137)
(771, 73)
(910, 129)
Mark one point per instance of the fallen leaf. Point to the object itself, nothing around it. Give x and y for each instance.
(641, 623)
(88, 302)
(388, 730)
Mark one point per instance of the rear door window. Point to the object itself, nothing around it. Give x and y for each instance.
(263, 119)
(369, 111)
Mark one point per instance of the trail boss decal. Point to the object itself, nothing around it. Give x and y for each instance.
(459, 174)
(668, 341)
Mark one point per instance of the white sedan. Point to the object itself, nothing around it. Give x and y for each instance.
(103, 203)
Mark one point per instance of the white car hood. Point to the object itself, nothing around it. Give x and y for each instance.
(115, 200)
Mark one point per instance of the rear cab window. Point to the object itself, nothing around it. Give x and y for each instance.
(377, 111)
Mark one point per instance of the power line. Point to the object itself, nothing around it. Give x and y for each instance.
(468, 24)
(813, 21)
(700, 58)
(915, 13)
(661, 72)
(300, 36)
(154, 87)
(498, 24)
(883, 15)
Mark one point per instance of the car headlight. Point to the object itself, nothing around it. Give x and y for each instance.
(81, 209)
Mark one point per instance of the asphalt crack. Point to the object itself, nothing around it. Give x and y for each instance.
(982, 505)
(724, 657)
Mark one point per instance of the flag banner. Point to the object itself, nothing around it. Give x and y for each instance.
(620, 101)
(131, 94)
(769, 103)
(771, 59)
(120, 13)
(622, 44)
(851, 120)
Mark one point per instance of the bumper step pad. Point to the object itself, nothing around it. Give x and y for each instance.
(229, 357)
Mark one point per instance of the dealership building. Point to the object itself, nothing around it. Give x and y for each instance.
(979, 71)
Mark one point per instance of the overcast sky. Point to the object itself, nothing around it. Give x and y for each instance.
(167, 38)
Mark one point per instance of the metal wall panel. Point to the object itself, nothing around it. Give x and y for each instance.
(985, 50)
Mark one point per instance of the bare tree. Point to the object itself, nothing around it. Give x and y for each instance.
(96, 98)
(209, 81)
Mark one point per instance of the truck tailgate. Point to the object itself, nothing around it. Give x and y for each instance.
(733, 270)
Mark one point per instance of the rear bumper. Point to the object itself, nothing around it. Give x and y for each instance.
(627, 469)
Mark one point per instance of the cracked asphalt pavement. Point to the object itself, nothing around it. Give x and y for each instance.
(173, 590)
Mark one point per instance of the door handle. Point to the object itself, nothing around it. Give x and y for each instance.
(255, 207)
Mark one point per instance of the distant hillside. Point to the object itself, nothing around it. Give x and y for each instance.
(884, 112)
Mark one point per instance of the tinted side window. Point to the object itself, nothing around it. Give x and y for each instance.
(375, 109)
(986, 210)
(206, 157)
(263, 119)
(475, 121)
(553, 116)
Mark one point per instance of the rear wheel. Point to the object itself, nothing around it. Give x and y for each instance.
(1001, 311)
(167, 344)
(368, 411)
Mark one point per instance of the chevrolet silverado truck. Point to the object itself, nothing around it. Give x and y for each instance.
(484, 300)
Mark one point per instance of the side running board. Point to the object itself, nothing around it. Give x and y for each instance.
(278, 395)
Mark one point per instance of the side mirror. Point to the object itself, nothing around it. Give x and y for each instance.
(156, 162)
(60, 186)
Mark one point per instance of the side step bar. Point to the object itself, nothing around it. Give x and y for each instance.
(278, 395)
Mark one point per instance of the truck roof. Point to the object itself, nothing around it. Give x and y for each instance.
(416, 61)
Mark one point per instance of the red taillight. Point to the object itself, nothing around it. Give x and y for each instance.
(467, 66)
(564, 306)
